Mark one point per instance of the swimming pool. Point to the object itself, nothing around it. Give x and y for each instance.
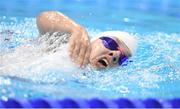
(153, 72)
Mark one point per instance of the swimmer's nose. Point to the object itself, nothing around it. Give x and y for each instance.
(114, 56)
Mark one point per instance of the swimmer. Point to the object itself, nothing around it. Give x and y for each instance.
(108, 49)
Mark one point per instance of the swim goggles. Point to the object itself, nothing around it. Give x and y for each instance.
(111, 44)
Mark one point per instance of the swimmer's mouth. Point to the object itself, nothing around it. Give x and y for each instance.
(103, 62)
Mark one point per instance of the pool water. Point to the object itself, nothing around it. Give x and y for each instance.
(154, 71)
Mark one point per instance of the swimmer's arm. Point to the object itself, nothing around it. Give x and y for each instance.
(79, 45)
(52, 21)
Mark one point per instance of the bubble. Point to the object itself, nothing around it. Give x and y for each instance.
(126, 19)
(4, 98)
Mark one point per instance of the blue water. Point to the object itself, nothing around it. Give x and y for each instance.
(153, 72)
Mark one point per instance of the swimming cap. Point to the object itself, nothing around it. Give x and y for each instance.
(129, 41)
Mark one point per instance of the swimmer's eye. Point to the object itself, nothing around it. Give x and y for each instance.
(115, 60)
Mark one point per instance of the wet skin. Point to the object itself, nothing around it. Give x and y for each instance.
(101, 57)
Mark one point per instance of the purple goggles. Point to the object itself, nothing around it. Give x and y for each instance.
(111, 44)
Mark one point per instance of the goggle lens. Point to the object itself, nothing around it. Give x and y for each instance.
(111, 44)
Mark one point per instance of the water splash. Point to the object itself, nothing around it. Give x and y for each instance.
(153, 71)
(154, 67)
(29, 58)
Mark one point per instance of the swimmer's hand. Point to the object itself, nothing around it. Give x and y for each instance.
(79, 46)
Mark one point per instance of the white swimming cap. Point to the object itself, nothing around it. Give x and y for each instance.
(125, 37)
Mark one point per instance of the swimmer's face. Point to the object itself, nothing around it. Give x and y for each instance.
(101, 57)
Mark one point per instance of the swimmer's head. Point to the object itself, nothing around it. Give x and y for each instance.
(112, 48)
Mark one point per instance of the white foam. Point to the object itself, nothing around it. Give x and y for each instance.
(31, 61)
